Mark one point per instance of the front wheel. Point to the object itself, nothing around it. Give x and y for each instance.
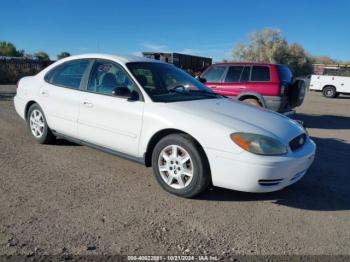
(252, 101)
(38, 125)
(330, 92)
(180, 166)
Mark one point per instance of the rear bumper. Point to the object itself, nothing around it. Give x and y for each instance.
(252, 173)
(20, 105)
(277, 103)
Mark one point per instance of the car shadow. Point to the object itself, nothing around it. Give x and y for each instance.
(7, 96)
(325, 187)
(341, 96)
(324, 121)
(63, 142)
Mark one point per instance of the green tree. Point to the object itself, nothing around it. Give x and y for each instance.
(41, 55)
(9, 49)
(269, 46)
(63, 55)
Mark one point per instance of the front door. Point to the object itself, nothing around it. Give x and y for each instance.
(232, 84)
(108, 120)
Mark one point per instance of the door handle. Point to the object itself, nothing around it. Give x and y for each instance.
(44, 93)
(88, 104)
(241, 87)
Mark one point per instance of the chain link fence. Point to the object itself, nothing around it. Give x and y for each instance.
(14, 68)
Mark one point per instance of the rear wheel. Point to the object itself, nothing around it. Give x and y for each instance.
(252, 101)
(38, 126)
(180, 166)
(330, 92)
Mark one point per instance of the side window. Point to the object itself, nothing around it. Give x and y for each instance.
(214, 74)
(106, 76)
(261, 73)
(233, 74)
(68, 74)
(145, 78)
(245, 75)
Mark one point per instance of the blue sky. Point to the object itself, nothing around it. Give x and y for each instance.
(202, 27)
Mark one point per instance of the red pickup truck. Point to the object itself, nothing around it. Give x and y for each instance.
(267, 85)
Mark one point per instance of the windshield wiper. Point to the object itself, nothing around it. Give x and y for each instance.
(210, 94)
(179, 90)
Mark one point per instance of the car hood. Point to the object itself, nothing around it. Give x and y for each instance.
(240, 117)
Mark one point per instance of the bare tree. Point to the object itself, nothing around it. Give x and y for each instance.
(270, 46)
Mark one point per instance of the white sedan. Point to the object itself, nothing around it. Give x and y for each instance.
(156, 114)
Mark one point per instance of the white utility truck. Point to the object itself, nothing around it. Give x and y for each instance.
(330, 86)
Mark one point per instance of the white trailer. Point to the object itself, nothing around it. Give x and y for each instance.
(330, 86)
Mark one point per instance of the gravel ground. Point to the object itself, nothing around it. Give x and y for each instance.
(70, 199)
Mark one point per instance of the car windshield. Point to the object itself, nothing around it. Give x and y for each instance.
(167, 83)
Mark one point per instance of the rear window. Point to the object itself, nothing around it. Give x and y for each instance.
(284, 73)
(260, 73)
(68, 74)
(214, 74)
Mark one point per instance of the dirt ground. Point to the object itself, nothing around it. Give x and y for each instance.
(70, 199)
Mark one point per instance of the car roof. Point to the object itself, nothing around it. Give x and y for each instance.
(123, 59)
(243, 63)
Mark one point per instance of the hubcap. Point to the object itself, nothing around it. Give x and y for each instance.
(175, 166)
(37, 123)
(329, 92)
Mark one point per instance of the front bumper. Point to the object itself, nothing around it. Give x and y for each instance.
(253, 173)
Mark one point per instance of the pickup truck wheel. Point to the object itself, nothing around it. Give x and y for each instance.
(329, 92)
(252, 101)
(38, 126)
(180, 166)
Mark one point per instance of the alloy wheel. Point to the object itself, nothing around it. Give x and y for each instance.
(37, 123)
(175, 166)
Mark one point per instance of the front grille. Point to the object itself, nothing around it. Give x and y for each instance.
(297, 142)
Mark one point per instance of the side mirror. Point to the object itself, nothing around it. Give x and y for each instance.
(121, 91)
(134, 96)
(202, 80)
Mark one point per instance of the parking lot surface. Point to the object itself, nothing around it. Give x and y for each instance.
(71, 199)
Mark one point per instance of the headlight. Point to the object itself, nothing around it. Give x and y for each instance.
(258, 144)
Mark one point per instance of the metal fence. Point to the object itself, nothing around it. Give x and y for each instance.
(14, 68)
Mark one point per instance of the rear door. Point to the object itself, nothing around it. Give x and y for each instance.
(261, 81)
(60, 95)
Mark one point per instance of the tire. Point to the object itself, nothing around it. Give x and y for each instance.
(37, 125)
(252, 101)
(329, 92)
(297, 93)
(174, 171)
